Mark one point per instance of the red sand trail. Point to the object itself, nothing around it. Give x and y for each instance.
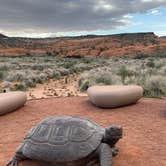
(144, 124)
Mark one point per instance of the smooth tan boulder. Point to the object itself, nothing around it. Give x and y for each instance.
(11, 101)
(114, 96)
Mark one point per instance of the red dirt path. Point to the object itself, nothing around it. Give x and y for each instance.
(144, 124)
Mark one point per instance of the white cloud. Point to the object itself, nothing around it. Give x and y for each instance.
(61, 16)
(147, 0)
(103, 5)
(128, 16)
(155, 12)
(160, 33)
(153, 0)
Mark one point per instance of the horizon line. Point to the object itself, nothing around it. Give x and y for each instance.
(81, 35)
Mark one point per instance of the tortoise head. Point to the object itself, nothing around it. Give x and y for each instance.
(112, 135)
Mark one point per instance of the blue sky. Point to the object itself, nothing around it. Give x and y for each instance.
(152, 21)
(50, 18)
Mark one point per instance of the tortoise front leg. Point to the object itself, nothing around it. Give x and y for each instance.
(92, 163)
(105, 155)
(115, 151)
(14, 161)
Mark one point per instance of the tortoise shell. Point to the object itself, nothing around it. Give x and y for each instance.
(62, 139)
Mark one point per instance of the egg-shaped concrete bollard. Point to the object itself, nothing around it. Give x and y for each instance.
(11, 101)
(114, 96)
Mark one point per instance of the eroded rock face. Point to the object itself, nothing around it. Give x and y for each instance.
(11, 101)
(90, 45)
(114, 96)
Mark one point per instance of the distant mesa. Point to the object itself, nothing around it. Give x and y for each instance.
(163, 37)
(3, 36)
(130, 44)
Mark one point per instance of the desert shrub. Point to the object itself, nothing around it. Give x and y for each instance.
(56, 74)
(150, 71)
(84, 85)
(1, 75)
(49, 73)
(37, 67)
(84, 82)
(30, 83)
(100, 76)
(63, 71)
(3, 68)
(155, 87)
(104, 79)
(115, 59)
(28, 54)
(81, 67)
(4, 86)
(162, 71)
(125, 56)
(49, 53)
(123, 72)
(159, 54)
(140, 56)
(87, 60)
(42, 78)
(68, 64)
(159, 64)
(16, 76)
(19, 87)
(150, 64)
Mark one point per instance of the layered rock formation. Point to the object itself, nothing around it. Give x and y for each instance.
(90, 45)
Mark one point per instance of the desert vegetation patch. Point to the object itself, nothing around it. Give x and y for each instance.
(21, 73)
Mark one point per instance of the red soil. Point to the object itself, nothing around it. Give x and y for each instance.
(144, 123)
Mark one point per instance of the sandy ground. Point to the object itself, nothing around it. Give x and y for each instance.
(144, 124)
(64, 87)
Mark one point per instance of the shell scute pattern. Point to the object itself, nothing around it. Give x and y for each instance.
(61, 136)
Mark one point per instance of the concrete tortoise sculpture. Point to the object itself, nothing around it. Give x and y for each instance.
(68, 141)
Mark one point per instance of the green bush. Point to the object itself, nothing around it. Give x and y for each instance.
(19, 87)
(38, 67)
(123, 72)
(3, 68)
(155, 87)
(84, 85)
(150, 64)
(140, 56)
(30, 83)
(1, 75)
(63, 71)
(104, 79)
